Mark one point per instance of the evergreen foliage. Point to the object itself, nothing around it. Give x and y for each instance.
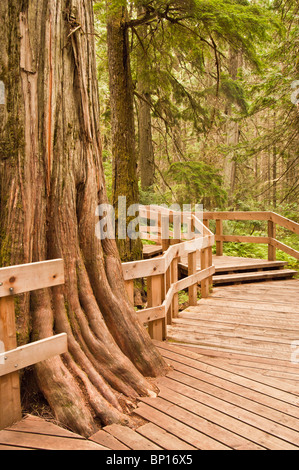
(206, 116)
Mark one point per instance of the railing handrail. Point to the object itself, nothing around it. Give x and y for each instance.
(151, 267)
(272, 218)
(285, 222)
(252, 215)
(17, 280)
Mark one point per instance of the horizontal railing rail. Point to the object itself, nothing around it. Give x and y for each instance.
(17, 280)
(273, 220)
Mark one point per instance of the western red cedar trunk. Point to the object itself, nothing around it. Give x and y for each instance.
(125, 178)
(51, 182)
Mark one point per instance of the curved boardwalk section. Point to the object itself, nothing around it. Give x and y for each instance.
(259, 320)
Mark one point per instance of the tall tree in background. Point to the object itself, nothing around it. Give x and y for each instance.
(125, 179)
(232, 128)
(51, 182)
(145, 137)
(275, 116)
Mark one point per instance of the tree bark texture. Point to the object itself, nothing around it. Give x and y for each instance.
(51, 182)
(125, 179)
(146, 150)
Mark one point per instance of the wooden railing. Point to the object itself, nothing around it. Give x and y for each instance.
(17, 280)
(273, 220)
(161, 273)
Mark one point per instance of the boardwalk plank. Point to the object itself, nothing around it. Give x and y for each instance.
(256, 320)
(4, 447)
(46, 442)
(37, 425)
(178, 407)
(175, 427)
(107, 440)
(256, 429)
(222, 370)
(220, 399)
(160, 436)
(131, 438)
(252, 390)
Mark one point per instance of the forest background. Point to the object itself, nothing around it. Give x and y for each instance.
(213, 89)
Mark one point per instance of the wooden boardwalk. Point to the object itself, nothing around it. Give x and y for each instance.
(233, 382)
(205, 402)
(233, 269)
(34, 433)
(256, 320)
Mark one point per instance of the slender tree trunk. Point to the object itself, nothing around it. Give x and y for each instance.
(274, 167)
(232, 131)
(51, 181)
(146, 150)
(125, 179)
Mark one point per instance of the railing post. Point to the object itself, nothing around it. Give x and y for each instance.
(206, 223)
(10, 401)
(165, 240)
(205, 283)
(192, 290)
(159, 224)
(177, 234)
(157, 328)
(130, 290)
(219, 233)
(271, 234)
(210, 264)
(175, 278)
(168, 282)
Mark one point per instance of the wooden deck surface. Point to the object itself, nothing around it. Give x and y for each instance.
(258, 320)
(236, 263)
(233, 269)
(234, 387)
(205, 402)
(34, 433)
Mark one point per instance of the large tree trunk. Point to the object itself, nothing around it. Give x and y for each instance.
(51, 182)
(125, 179)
